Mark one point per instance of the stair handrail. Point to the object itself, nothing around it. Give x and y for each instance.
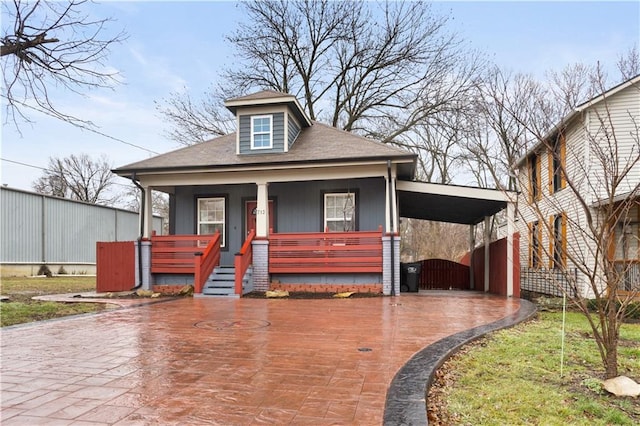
(205, 261)
(243, 259)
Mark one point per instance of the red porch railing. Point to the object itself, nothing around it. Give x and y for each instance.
(325, 252)
(242, 261)
(176, 254)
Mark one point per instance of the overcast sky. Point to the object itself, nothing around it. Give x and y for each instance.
(175, 46)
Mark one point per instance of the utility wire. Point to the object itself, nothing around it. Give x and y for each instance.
(85, 127)
(54, 171)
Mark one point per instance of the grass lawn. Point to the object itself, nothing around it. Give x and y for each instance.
(512, 377)
(21, 308)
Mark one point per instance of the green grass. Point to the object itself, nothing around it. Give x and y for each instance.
(513, 377)
(21, 308)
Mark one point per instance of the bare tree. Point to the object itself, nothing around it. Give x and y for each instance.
(375, 69)
(49, 44)
(159, 200)
(78, 178)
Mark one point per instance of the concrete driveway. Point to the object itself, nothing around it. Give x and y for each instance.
(229, 362)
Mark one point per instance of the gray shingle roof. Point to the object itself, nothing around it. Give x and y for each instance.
(318, 143)
(264, 94)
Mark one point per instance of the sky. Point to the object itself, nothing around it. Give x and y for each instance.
(178, 46)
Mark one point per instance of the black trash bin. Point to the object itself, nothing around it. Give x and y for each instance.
(410, 277)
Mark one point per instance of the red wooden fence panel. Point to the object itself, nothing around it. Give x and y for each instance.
(497, 266)
(443, 274)
(115, 266)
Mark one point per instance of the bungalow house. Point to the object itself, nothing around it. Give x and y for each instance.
(579, 207)
(288, 203)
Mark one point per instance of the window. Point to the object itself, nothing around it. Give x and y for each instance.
(535, 247)
(261, 132)
(557, 163)
(558, 242)
(339, 211)
(211, 217)
(534, 178)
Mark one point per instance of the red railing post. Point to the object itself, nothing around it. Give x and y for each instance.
(197, 278)
(242, 261)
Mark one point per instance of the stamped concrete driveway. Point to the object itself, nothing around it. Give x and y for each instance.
(229, 362)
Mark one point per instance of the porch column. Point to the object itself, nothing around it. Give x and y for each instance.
(391, 203)
(262, 211)
(147, 214)
(472, 245)
(487, 245)
(510, 226)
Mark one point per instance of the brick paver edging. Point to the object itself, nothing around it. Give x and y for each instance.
(406, 398)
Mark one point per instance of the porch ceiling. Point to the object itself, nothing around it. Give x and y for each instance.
(449, 203)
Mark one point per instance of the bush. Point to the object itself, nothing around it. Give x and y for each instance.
(632, 310)
(62, 271)
(44, 270)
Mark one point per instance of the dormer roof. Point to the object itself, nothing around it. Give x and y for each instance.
(268, 98)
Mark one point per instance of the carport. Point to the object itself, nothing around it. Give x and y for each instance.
(463, 205)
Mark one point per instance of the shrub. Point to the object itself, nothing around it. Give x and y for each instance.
(62, 271)
(44, 270)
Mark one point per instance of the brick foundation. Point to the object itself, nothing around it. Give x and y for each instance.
(328, 288)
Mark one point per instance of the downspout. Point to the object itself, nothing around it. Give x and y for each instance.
(139, 243)
(391, 234)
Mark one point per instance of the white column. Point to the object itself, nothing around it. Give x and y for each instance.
(472, 245)
(262, 211)
(391, 204)
(510, 227)
(148, 212)
(487, 243)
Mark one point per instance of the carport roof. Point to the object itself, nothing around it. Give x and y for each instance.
(449, 203)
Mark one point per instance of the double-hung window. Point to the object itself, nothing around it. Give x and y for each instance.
(557, 164)
(535, 245)
(558, 242)
(261, 132)
(535, 186)
(339, 211)
(211, 217)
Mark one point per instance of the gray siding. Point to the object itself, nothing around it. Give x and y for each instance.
(298, 207)
(42, 229)
(294, 131)
(277, 134)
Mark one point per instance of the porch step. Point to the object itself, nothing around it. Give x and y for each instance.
(222, 282)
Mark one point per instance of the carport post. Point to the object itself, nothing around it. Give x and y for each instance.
(510, 226)
(472, 246)
(487, 243)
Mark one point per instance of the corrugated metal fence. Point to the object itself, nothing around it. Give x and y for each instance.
(37, 228)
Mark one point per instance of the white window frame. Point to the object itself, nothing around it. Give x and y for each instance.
(328, 219)
(254, 133)
(223, 235)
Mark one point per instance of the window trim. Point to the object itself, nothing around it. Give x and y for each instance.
(254, 133)
(225, 227)
(354, 217)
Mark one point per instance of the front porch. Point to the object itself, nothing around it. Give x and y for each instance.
(317, 261)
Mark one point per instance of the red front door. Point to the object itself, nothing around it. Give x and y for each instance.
(251, 215)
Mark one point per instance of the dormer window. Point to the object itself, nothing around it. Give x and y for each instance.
(261, 132)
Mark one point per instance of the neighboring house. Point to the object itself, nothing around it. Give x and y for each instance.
(287, 203)
(567, 178)
(57, 232)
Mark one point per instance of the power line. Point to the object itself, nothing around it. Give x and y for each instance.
(85, 127)
(54, 171)
(24, 164)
